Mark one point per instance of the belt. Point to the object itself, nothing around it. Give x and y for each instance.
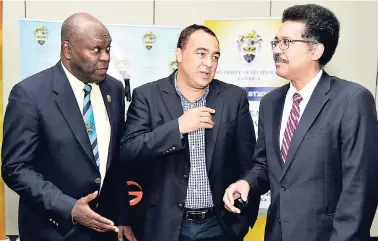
(198, 214)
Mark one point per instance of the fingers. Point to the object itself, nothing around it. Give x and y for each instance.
(90, 197)
(229, 200)
(120, 235)
(98, 218)
(206, 109)
(204, 114)
(101, 227)
(243, 189)
(207, 120)
(130, 236)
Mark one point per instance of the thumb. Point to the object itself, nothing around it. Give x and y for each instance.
(243, 189)
(91, 196)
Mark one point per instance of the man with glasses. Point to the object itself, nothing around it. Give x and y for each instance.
(317, 140)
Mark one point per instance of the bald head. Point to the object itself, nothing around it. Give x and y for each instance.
(85, 47)
(80, 25)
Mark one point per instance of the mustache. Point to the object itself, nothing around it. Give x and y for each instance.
(277, 59)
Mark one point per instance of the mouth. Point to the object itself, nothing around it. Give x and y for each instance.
(102, 71)
(205, 74)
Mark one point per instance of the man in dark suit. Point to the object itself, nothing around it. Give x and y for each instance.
(195, 134)
(61, 143)
(317, 140)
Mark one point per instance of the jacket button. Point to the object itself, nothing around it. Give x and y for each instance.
(185, 176)
(98, 180)
(181, 205)
(283, 188)
(173, 148)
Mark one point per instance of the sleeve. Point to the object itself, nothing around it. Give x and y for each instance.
(140, 141)
(358, 199)
(19, 148)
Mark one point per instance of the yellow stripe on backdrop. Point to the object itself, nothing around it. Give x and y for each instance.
(2, 198)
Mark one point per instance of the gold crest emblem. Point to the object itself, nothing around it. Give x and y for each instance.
(173, 65)
(149, 40)
(41, 34)
(249, 45)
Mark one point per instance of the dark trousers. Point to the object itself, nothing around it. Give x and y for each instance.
(204, 230)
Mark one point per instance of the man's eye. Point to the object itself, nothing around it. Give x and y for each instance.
(96, 49)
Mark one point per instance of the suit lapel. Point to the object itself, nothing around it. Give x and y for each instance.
(214, 101)
(314, 106)
(170, 97)
(106, 93)
(278, 106)
(67, 104)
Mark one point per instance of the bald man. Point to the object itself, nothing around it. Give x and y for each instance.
(61, 142)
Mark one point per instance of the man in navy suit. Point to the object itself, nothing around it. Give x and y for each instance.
(317, 143)
(61, 143)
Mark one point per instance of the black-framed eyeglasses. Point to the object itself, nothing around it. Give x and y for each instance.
(285, 43)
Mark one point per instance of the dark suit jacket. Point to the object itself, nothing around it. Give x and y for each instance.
(48, 160)
(152, 138)
(326, 190)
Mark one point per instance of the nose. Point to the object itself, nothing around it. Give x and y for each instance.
(208, 62)
(105, 56)
(277, 49)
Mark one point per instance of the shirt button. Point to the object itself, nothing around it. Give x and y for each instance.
(98, 180)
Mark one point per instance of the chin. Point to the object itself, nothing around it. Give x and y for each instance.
(203, 83)
(281, 72)
(98, 79)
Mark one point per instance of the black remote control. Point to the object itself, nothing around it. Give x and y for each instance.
(240, 203)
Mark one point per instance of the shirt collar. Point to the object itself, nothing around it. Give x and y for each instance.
(182, 96)
(307, 90)
(76, 84)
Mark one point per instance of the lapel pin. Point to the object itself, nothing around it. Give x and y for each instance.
(109, 98)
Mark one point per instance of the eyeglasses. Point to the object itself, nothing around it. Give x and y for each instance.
(284, 43)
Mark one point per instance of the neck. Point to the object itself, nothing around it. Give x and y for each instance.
(301, 81)
(188, 91)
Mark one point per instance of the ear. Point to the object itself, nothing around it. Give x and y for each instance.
(317, 51)
(66, 50)
(179, 55)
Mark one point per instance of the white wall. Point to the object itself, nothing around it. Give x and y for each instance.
(356, 58)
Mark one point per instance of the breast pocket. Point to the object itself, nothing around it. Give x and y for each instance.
(318, 132)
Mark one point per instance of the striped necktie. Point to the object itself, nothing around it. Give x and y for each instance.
(89, 121)
(291, 125)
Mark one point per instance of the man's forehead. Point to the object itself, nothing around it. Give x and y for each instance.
(204, 44)
(97, 38)
(290, 29)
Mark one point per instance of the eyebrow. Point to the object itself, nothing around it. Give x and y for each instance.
(283, 37)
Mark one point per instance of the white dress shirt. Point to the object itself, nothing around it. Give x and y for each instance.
(306, 93)
(100, 116)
